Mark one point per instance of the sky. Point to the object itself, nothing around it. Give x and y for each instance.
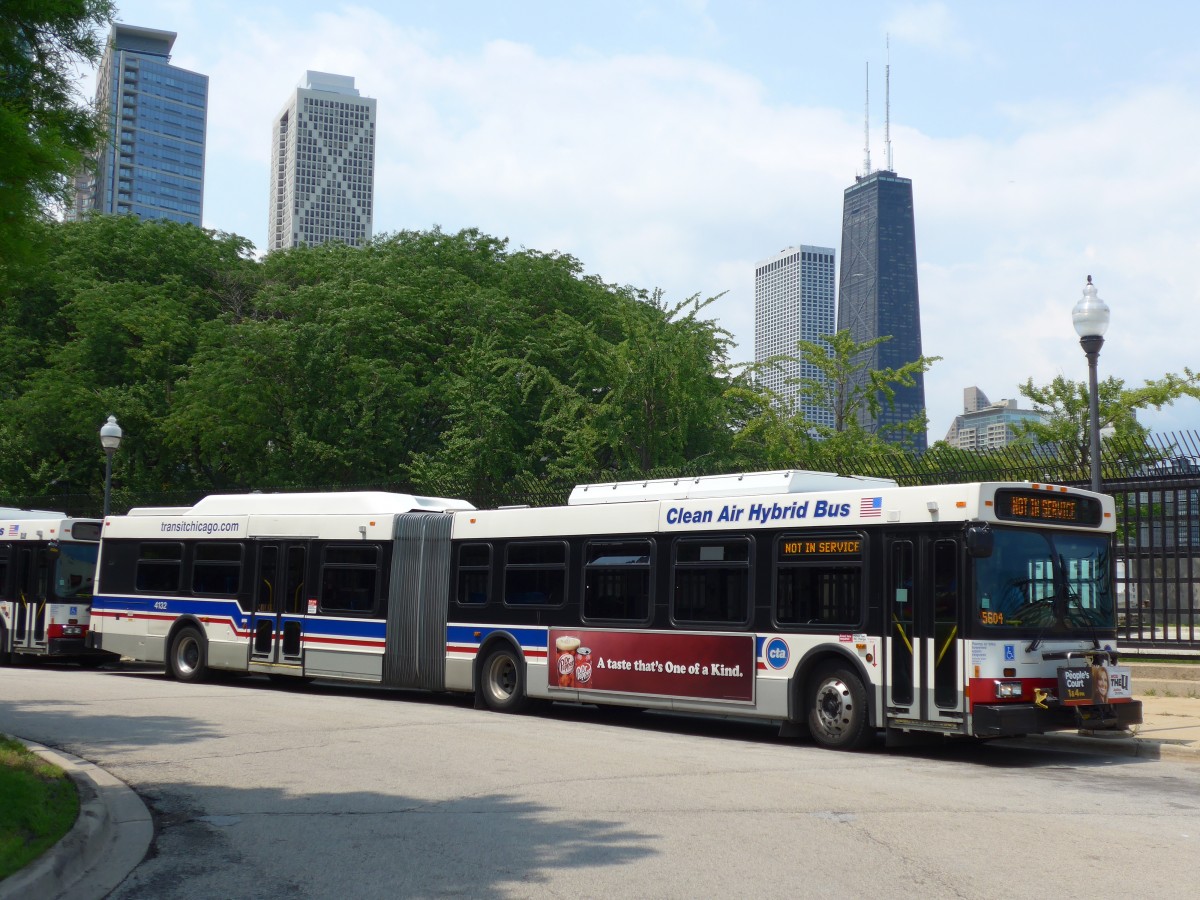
(673, 144)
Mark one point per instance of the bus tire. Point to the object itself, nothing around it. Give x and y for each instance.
(5, 652)
(188, 659)
(837, 708)
(502, 681)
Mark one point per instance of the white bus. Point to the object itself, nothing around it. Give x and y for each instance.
(838, 606)
(47, 568)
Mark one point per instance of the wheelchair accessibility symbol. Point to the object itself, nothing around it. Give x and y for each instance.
(1010, 652)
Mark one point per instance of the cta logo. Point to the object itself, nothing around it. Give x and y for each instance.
(777, 653)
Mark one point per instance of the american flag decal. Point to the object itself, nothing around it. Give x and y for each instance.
(870, 507)
(13, 529)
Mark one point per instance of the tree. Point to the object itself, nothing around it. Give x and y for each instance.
(1064, 406)
(45, 134)
(839, 388)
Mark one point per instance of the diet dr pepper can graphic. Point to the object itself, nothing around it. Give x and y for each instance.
(583, 667)
(566, 647)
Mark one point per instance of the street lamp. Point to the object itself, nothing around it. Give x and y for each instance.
(1090, 316)
(110, 440)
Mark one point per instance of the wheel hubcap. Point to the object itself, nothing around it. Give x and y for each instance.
(834, 704)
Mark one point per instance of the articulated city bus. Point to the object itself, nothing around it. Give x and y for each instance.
(47, 567)
(838, 606)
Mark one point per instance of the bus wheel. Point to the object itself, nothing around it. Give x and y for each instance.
(5, 653)
(502, 681)
(188, 659)
(837, 709)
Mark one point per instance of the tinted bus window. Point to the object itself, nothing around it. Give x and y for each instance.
(617, 580)
(819, 579)
(712, 580)
(217, 569)
(535, 573)
(474, 573)
(349, 578)
(158, 568)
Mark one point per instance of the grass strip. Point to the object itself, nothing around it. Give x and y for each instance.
(38, 805)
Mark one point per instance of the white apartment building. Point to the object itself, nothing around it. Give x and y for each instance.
(322, 165)
(793, 301)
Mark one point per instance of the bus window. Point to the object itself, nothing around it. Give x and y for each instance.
(474, 573)
(617, 580)
(158, 568)
(75, 570)
(712, 580)
(217, 569)
(349, 575)
(535, 573)
(819, 580)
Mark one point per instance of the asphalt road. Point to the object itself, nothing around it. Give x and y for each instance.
(330, 792)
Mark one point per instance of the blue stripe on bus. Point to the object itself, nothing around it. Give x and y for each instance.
(474, 635)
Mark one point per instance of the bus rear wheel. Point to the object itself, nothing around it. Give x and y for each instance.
(5, 653)
(188, 658)
(837, 709)
(502, 681)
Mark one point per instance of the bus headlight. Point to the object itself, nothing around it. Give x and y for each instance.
(1008, 690)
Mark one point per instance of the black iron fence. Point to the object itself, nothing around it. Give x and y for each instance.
(1155, 482)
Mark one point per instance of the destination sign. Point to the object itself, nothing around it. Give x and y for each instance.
(1040, 506)
(839, 546)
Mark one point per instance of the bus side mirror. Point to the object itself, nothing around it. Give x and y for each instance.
(980, 540)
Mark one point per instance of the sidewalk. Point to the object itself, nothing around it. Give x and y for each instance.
(1170, 729)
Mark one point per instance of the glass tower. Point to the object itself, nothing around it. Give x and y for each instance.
(793, 301)
(322, 165)
(878, 288)
(153, 162)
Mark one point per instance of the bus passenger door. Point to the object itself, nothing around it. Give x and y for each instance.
(277, 624)
(925, 666)
(31, 612)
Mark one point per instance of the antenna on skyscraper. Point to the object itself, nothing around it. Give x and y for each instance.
(867, 127)
(887, 105)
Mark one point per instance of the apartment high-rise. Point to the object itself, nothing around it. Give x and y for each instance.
(984, 425)
(152, 164)
(877, 293)
(322, 165)
(793, 301)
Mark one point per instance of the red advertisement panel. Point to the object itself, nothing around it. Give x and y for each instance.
(707, 666)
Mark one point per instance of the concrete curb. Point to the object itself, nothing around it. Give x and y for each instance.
(110, 837)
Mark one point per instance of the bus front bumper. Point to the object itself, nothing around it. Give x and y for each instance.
(1013, 719)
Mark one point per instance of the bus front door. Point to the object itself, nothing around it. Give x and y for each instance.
(925, 669)
(277, 624)
(31, 608)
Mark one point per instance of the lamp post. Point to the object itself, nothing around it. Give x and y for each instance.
(110, 440)
(1090, 316)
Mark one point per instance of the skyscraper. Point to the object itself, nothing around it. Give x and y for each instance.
(793, 301)
(322, 165)
(877, 292)
(152, 164)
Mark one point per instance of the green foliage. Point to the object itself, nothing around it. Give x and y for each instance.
(425, 358)
(44, 130)
(785, 437)
(1064, 405)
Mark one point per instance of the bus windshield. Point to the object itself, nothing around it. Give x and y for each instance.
(1057, 582)
(75, 570)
